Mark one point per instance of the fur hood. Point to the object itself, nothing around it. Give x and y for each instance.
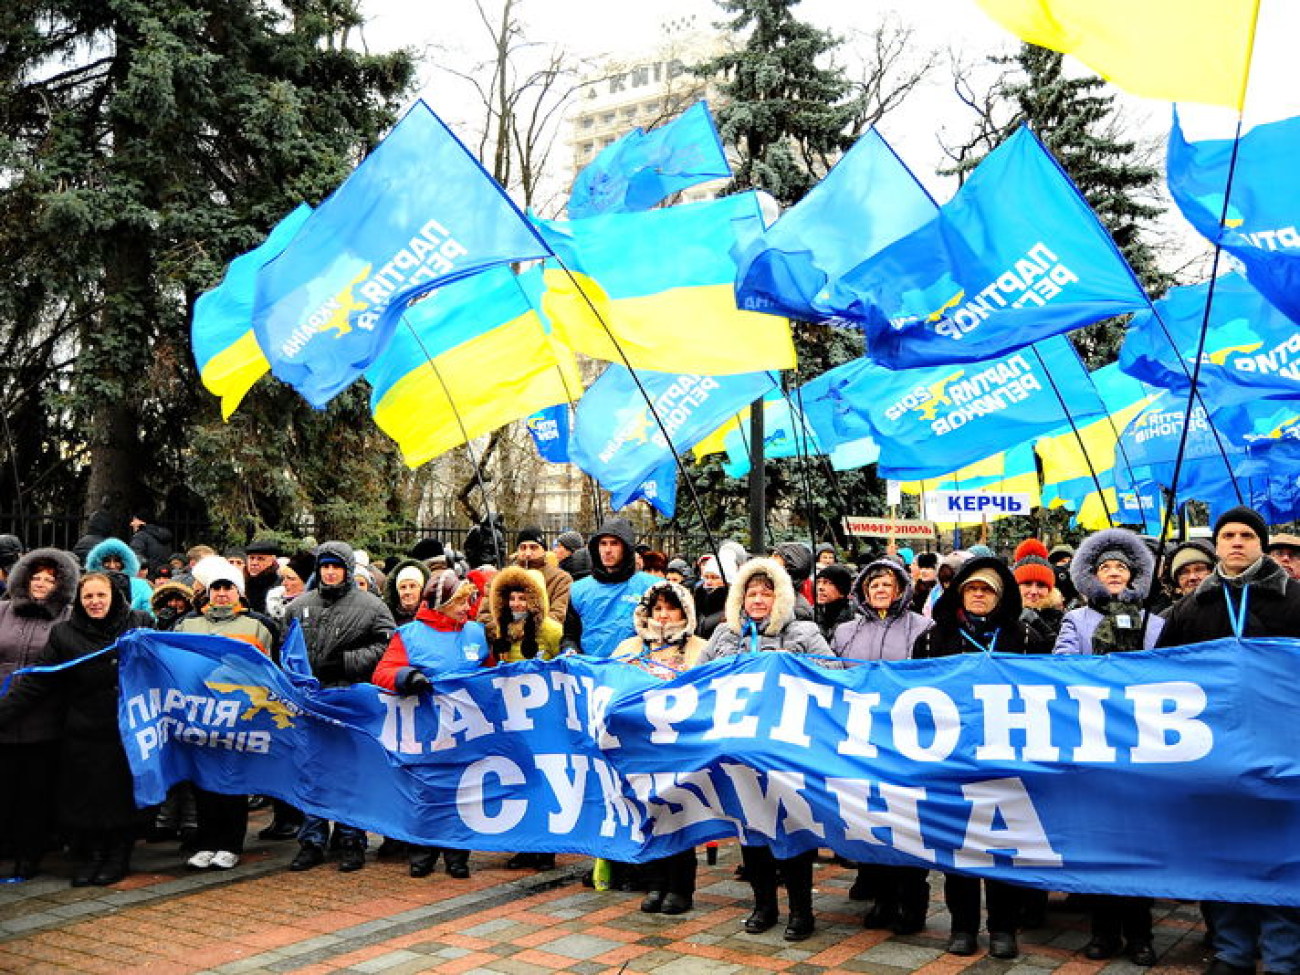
(645, 626)
(900, 604)
(1083, 567)
(66, 572)
(513, 578)
(113, 546)
(782, 606)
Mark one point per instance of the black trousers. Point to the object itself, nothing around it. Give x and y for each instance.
(961, 893)
(760, 870)
(672, 875)
(1115, 917)
(905, 889)
(223, 821)
(29, 784)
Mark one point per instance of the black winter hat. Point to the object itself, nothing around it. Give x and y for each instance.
(263, 546)
(1241, 515)
(839, 576)
(531, 534)
(11, 550)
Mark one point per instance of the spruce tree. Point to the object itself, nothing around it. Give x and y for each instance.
(143, 144)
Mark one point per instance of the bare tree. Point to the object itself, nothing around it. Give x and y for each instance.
(888, 73)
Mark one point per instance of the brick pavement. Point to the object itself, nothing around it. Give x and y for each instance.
(261, 918)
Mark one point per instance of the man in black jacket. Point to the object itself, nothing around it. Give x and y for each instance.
(346, 630)
(1247, 595)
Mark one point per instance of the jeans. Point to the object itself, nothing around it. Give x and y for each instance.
(315, 831)
(1241, 928)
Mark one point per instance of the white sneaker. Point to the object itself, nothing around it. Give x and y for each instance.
(201, 860)
(225, 860)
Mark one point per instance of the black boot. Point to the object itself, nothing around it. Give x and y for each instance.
(798, 890)
(422, 860)
(765, 914)
(83, 874)
(457, 862)
(115, 865)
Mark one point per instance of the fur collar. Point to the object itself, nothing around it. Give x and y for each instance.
(513, 578)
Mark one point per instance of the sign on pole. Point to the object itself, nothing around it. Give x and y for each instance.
(885, 527)
(975, 507)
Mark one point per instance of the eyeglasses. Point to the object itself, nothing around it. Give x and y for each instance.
(221, 584)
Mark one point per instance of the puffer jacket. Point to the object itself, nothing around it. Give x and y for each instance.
(345, 628)
(141, 591)
(871, 636)
(1079, 627)
(780, 631)
(537, 634)
(25, 626)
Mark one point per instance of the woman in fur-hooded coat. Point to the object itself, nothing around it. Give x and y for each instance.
(521, 635)
(113, 548)
(673, 645)
(1110, 622)
(29, 748)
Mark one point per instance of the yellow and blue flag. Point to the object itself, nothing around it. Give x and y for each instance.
(659, 288)
(1251, 350)
(468, 358)
(867, 201)
(616, 438)
(931, 421)
(417, 213)
(1261, 219)
(1015, 257)
(659, 490)
(221, 333)
(643, 168)
(1177, 50)
(549, 429)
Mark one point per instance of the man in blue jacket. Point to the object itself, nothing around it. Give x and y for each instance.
(601, 605)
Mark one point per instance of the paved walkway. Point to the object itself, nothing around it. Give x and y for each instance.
(261, 918)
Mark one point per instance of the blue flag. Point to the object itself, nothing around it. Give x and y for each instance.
(659, 490)
(783, 436)
(549, 429)
(417, 213)
(1251, 349)
(868, 200)
(945, 764)
(615, 437)
(643, 168)
(1015, 257)
(930, 422)
(827, 405)
(1262, 217)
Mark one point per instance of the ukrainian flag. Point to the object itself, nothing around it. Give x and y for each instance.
(469, 358)
(1011, 471)
(226, 351)
(663, 283)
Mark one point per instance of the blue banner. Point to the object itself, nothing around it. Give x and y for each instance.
(642, 168)
(549, 429)
(930, 422)
(616, 438)
(1015, 257)
(1251, 349)
(867, 201)
(1170, 773)
(417, 213)
(1261, 218)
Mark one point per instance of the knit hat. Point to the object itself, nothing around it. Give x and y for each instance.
(410, 572)
(11, 550)
(1112, 555)
(530, 534)
(570, 540)
(838, 576)
(1031, 564)
(235, 553)
(981, 551)
(303, 564)
(446, 590)
(222, 571)
(987, 576)
(426, 548)
(1188, 555)
(905, 555)
(1241, 515)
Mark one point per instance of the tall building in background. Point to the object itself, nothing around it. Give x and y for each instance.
(647, 88)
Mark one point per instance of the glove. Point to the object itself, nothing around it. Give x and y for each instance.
(330, 671)
(417, 683)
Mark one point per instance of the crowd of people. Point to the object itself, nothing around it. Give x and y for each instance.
(439, 612)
